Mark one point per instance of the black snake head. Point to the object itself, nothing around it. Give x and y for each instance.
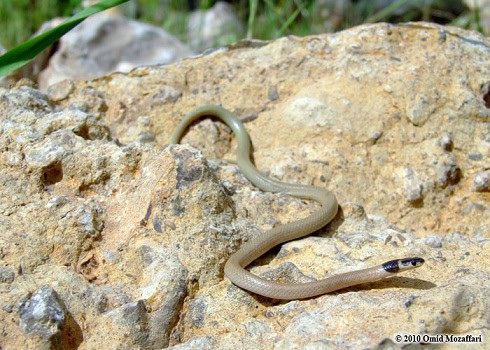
(399, 265)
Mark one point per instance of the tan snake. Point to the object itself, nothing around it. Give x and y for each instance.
(257, 246)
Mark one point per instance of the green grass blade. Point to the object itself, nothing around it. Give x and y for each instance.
(251, 18)
(289, 21)
(25, 52)
(387, 11)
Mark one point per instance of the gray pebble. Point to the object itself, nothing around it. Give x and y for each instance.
(88, 220)
(43, 314)
(197, 311)
(197, 343)
(132, 314)
(272, 93)
(166, 94)
(481, 181)
(376, 136)
(354, 210)
(249, 117)
(258, 329)
(446, 142)
(475, 156)
(57, 202)
(229, 188)
(13, 158)
(449, 173)
(419, 112)
(8, 308)
(45, 154)
(287, 272)
(412, 185)
(482, 234)
(61, 90)
(6, 275)
(432, 241)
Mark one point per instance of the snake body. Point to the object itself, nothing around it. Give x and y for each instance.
(257, 246)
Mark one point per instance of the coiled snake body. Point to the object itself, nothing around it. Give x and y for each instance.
(235, 266)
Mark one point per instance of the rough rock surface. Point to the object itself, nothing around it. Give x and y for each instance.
(359, 111)
(122, 238)
(107, 43)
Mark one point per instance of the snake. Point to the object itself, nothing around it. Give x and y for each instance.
(235, 266)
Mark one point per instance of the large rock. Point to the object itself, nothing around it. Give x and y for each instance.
(359, 112)
(107, 43)
(133, 233)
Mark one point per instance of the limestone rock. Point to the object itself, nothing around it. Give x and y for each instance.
(107, 43)
(61, 165)
(346, 124)
(417, 303)
(132, 233)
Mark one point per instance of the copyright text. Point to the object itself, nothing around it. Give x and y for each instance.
(438, 338)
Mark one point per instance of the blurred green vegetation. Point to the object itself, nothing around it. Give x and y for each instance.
(264, 19)
(19, 19)
(26, 51)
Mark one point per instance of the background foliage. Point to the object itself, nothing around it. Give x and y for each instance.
(265, 19)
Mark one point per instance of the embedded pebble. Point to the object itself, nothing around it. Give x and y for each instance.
(482, 234)
(449, 172)
(287, 272)
(45, 154)
(376, 136)
(272, 93)
(197, 343)
(43, 314)
(13, 158)
(7, 275)
(475, 156)
(258, 329)
(446, 142)
(353, 210)
(60, 90)
(481, 181)
(433, 241)
(412, 185)
(306, 324)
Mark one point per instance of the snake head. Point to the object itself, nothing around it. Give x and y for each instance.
(400, 265)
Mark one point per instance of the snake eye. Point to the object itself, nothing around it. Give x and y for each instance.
(416, 262)
(411, 262)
